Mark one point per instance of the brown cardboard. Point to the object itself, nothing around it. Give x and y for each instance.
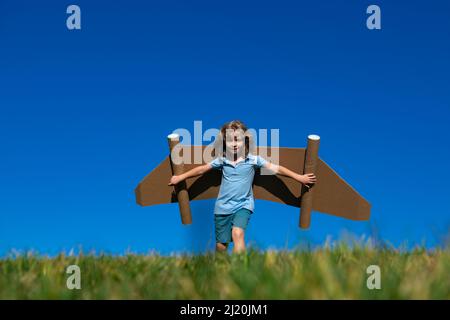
(332, 195)
(310, 166)
(181, 192)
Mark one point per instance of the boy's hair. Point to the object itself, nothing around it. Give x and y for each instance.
(234, 125)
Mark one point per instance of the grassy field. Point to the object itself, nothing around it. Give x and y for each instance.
(338, 272)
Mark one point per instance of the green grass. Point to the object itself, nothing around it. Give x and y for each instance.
(338, 272)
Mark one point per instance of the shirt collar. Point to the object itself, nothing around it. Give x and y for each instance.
(247, 158)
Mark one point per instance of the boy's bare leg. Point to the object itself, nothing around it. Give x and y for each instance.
(220, 247)
(238, 239)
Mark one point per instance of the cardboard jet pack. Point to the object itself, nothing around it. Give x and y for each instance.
(330, 194)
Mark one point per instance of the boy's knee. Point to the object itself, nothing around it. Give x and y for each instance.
(221, 246)
(237, 234)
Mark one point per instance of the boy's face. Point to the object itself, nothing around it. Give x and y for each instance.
(234, 142)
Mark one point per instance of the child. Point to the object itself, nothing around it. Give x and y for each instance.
(235, 202)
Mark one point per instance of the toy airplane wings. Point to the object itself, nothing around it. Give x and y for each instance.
(330, 194)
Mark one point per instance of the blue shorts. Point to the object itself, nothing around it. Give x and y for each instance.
(225, 222)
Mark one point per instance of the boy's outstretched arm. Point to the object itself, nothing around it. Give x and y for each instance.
(306, 179)
(197, 171)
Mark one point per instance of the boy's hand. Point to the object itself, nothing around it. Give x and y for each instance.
(175, 180)
(307, 179)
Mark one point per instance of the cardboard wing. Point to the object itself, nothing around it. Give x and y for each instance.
(331, 194)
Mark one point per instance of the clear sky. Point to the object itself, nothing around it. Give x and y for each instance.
(85, 114)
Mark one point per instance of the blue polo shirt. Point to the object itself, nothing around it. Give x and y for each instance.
(236, 187)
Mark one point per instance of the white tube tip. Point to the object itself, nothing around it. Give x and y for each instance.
(313, 137)
(173, 136)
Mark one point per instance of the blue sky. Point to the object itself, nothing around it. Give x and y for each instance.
(85, 114)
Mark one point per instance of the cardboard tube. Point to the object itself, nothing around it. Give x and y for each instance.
(311, 160)
(180, 188)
